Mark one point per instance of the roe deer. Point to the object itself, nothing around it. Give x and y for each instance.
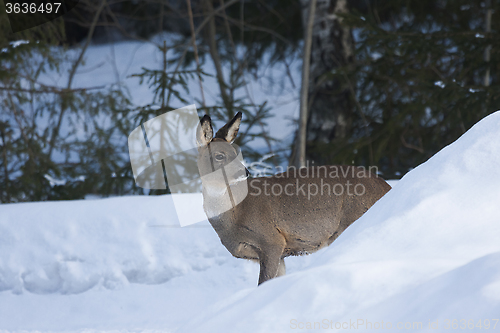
(275, 218)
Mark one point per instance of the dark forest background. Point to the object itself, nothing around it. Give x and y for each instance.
(390, 83)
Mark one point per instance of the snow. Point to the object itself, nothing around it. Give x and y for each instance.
(439, 84)
(115, 263)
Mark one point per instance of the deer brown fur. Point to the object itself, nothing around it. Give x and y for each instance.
(269, 224)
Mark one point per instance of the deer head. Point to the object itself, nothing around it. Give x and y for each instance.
(219, 161)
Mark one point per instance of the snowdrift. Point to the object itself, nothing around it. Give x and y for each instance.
(426, 254)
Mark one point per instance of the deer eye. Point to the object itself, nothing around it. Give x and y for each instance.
(220, 157)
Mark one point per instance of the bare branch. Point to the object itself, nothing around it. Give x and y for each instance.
(55, 133)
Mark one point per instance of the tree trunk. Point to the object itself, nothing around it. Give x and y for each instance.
(331, 105)
(300, 157)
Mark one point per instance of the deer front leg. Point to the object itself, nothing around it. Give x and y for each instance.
(270, 259)
(281, 268)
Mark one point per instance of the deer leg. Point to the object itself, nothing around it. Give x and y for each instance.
(281, 268)
(269, 263)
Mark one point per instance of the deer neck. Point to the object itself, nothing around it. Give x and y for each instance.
(219, 207)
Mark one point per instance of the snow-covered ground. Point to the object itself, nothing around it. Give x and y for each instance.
(120, 263)
(426, 257)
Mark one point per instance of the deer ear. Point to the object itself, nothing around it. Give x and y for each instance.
(230, 130)
(205, 132)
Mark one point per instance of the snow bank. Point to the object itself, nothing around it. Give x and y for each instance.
(428, 251)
